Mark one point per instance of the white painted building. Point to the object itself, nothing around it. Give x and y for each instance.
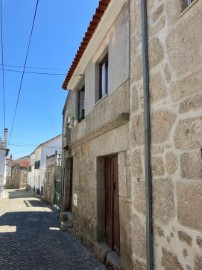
(36, 175)
(3, 154)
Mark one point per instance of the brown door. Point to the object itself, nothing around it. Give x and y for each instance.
(68, 184)
(112, 203)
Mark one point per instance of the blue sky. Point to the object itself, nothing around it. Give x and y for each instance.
(59, 29)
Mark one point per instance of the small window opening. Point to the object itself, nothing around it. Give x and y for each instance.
(103, 77)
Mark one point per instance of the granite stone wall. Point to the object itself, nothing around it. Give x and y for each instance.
(175, 61)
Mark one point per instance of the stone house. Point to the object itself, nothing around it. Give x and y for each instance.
(52, 177)
(19, 173)
(132, 126)
(36, 175)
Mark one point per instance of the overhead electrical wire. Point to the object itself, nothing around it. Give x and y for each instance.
(23, 72)
(34, 72)
(17, 66)
(2, 61)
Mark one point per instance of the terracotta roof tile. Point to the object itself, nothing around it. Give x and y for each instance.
(88, 35)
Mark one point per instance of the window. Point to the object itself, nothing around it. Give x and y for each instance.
(37, 165)
(186, 3)
(103, 77)
(81, 109)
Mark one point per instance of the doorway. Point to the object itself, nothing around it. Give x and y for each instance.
(112, 221)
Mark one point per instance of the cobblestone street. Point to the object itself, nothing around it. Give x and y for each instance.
(30, 237)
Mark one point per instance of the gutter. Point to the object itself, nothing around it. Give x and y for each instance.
(147, 137)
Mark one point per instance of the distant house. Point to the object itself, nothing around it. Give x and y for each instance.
(52, 185)
(19, 173)
(3, 154)
(36, 175)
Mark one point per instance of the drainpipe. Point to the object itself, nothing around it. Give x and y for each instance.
(147, 137)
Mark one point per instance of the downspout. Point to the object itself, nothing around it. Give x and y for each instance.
(147, 137)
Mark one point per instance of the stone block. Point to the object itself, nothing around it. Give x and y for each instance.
(101, 250)
(167, 73)
(138, 265)
(139, 238)
(135, 99)
(156, 53)
(137, 164)
(170, 261)
(158, 12)
(137, 130)
(183, 56)
(171, 162)
(139, 197)
(183, 236)
(157, 166)
(191, 165)
(189, 208)
(188, 133)
(161, 122)
(186, 86)
(157, 88)
(163, 200)
(198, 263)
(113, 260)
(199, 241)
(189, 104)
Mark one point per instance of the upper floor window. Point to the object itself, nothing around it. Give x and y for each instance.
(81, 100)
(103, 77)
(37, 164)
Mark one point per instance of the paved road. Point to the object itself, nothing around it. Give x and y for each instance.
(30, 237)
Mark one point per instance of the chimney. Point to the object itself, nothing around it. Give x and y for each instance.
(5, 136)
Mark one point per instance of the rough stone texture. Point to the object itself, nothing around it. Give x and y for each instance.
(189, 204)
(139, 239)
(186, 86)
(163, 200)
(138, 68)
(188, 133)
(198, 263)
(186, 57)
(157, 88)
(185, 252)
(192, 103)
(157, 166)
(155, 52)
(167, 73)
(135, 100)
(137, 164)
(191, 165)
(171, 162)
(137, 265)
(161, 122)
(158, 231)
(170, 261)
(183, 236)
(139, 197)
(137, 135)
(158, 12)
(199, 241)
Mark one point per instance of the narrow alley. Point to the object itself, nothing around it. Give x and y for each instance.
(30, 237)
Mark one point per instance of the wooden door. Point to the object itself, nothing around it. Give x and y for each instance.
(68, 171)
(112, 223)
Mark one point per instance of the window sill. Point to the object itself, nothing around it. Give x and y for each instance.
(100, 100)
(187, 8)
